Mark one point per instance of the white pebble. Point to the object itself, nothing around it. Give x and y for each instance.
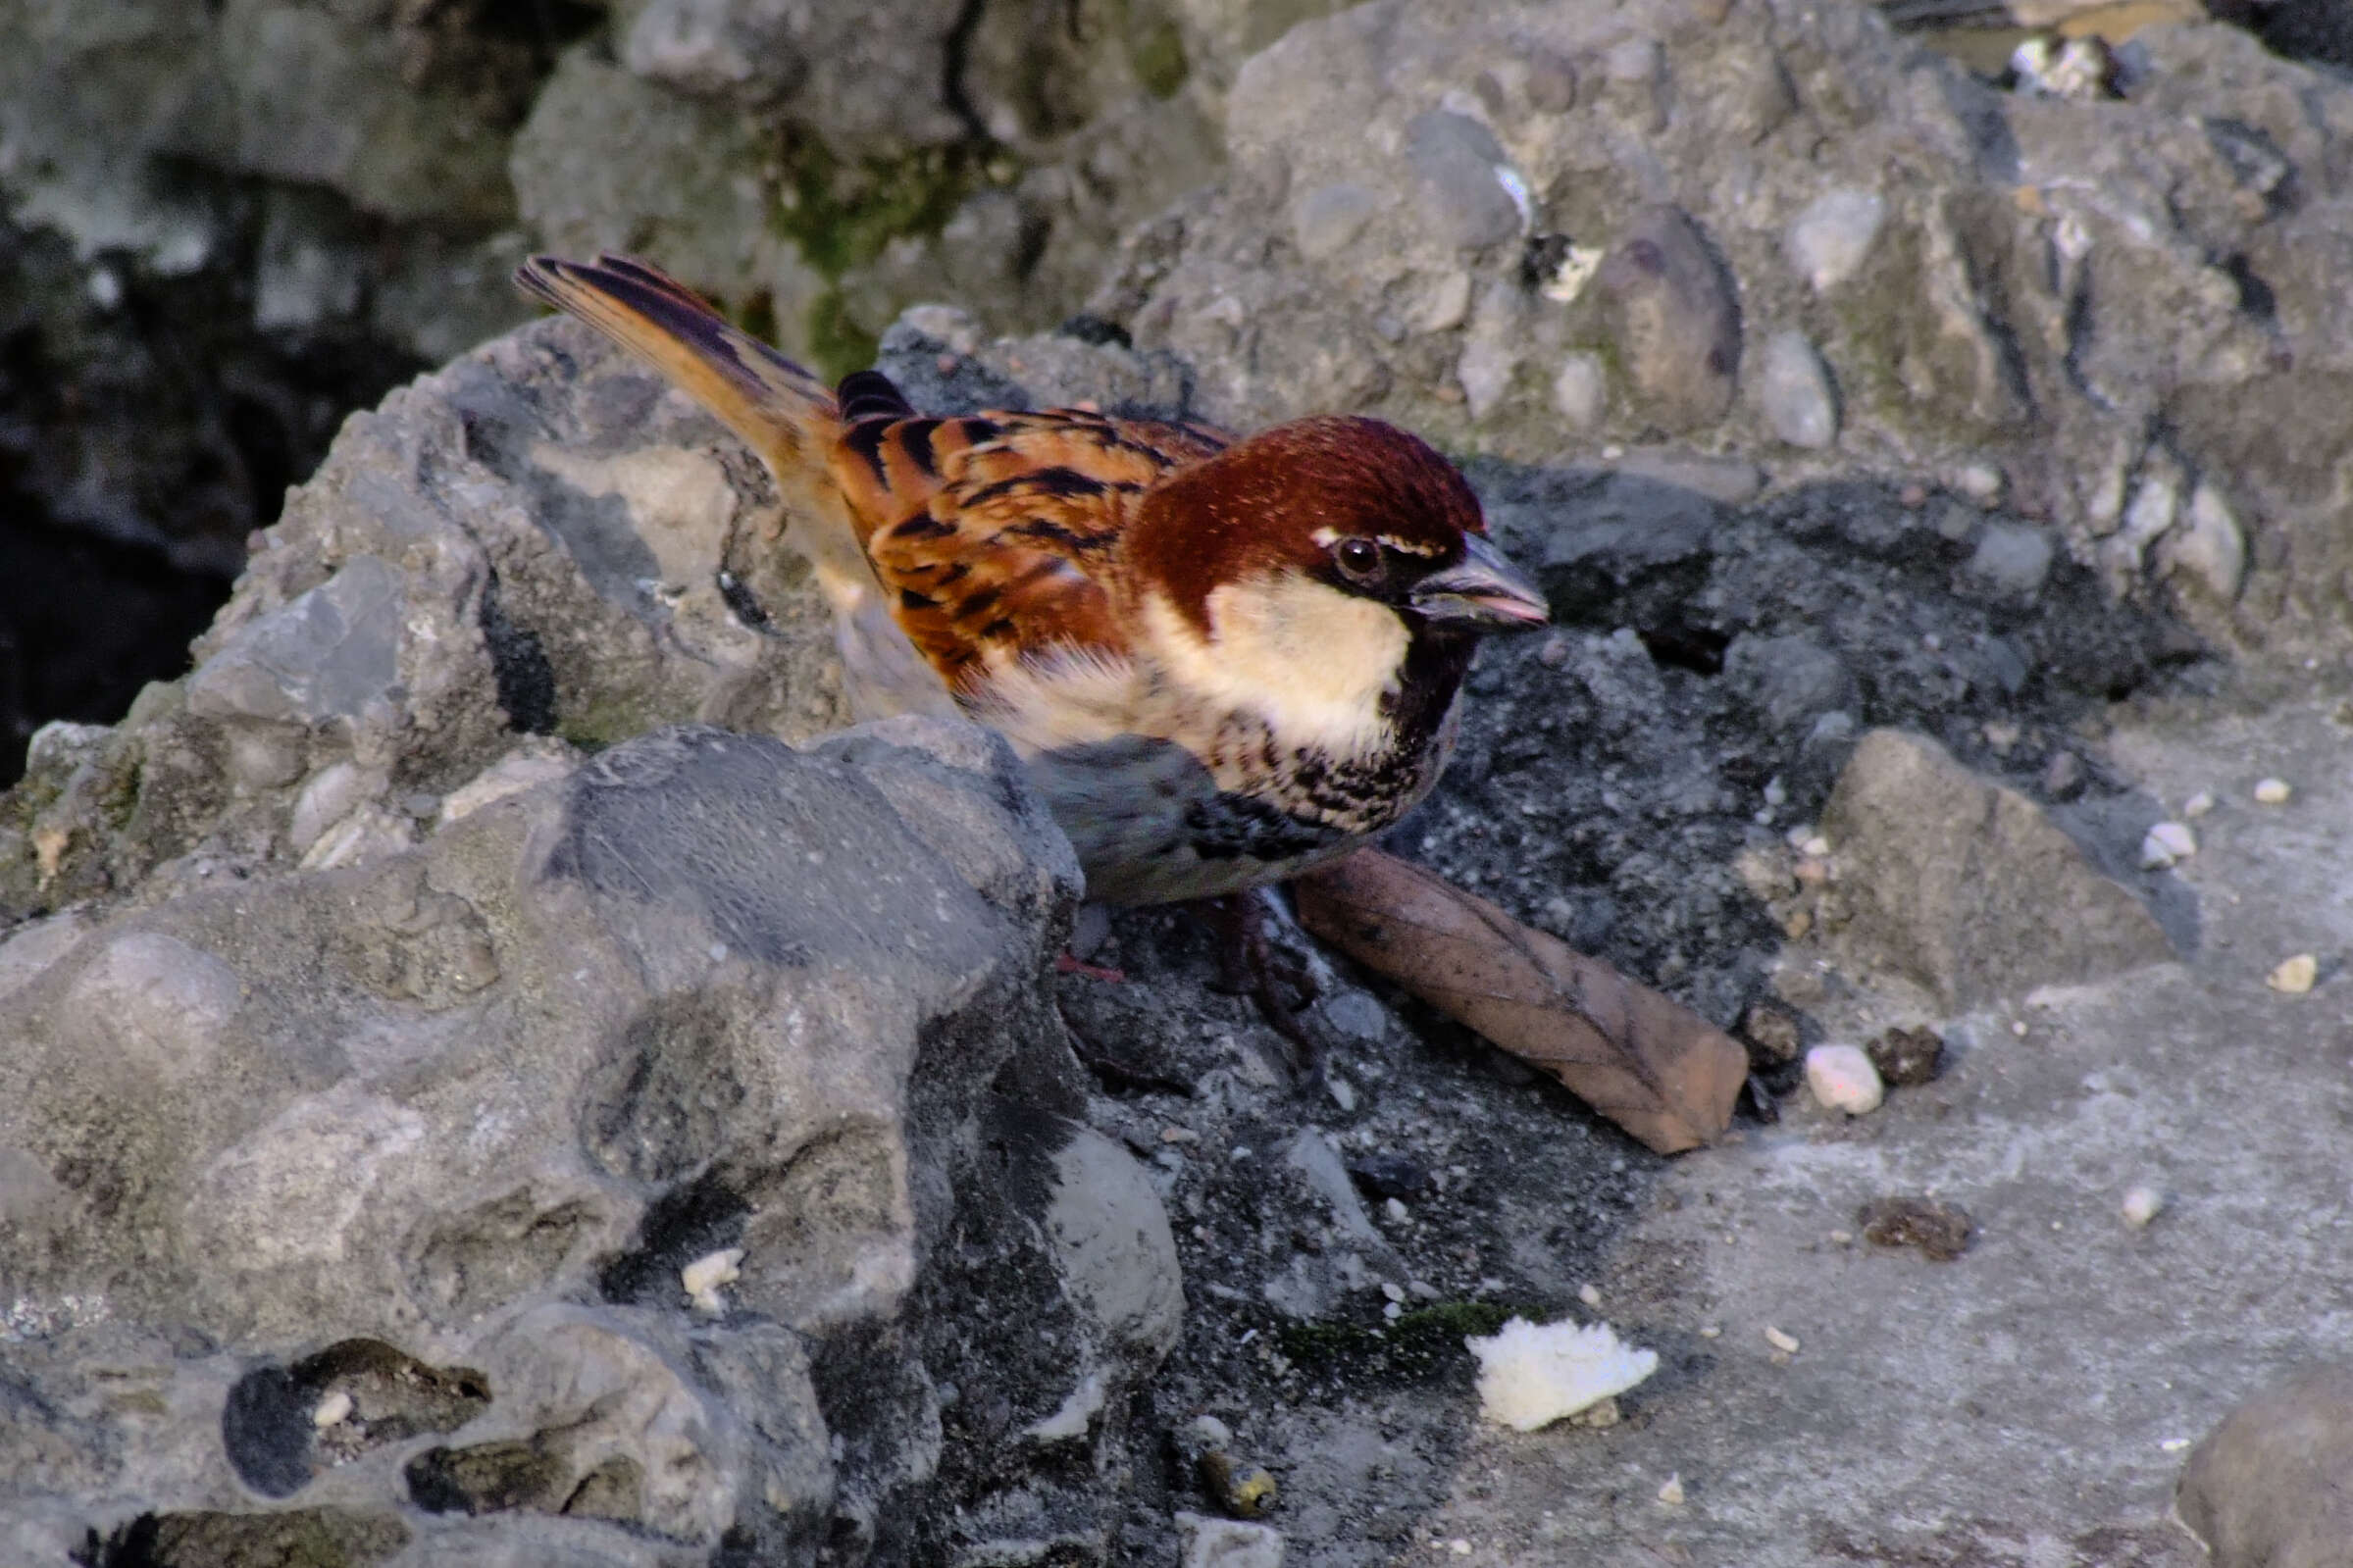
(703, 1276)
(1392, 1292)
(1815, 848)
(2296, 977)
(1843, 1079)
(1786, 1343)
(2272, 793)
(1710, 1331)
(1671, 1494)
(1589, 1295)
(2198, 805)
(2142, 1204)
(331, 1410)
(2166, 842)
(1396, 1210)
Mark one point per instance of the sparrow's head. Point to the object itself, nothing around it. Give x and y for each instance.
(1339, 562)
(1354, 506)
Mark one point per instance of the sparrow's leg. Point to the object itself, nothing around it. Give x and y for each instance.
(1249, 966)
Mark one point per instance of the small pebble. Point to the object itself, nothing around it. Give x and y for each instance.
(331, 1410)
(1941, 1230)
(1395, 1293)
(1773, 1030)
(1206, 1432)
(1815, 848)
(2198, 805)
(2142, 1204)
(1671, 1494)
(2296, 977)
(1843, 1079)
(1711, 1331)
(2272, 793)
(2165, 844)
(1907, 1056)
(2064, 775)
(1589, 1295)
(1244, 1491)
(1786, 1343)
(1980, 482)
(703, 1276)
(1387, 1176)
(1179, 1134)
(2017, 1026)
(1396, 1211)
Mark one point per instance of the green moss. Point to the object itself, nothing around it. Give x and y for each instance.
(1417, 1344)
(837, 342)
(604, 724)
(1155, 48)
(841, 213)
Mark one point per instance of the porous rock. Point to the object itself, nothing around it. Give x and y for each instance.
(537, 546)
(1966, 887)
(2267, 1486)
(1933, 239)
(454, 1120)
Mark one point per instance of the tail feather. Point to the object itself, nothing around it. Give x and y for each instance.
(783, 412)
(788, 416)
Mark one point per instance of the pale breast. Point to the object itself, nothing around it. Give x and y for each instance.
(1164, 803)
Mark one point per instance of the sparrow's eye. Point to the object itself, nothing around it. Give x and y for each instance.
(1360, 559)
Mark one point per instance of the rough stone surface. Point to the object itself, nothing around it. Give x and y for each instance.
(455, 1121)
(2267, 1486)
(1795, 389)
(2081, 354)
(2078, 293)
(1968, 887)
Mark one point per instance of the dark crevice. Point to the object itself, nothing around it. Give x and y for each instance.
(683, 1225)
(520, 667)
(958, 48)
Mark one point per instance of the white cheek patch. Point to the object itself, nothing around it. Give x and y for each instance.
(1315, 661)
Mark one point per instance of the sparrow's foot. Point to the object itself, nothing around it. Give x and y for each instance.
(1070, 963)
(1250, 965)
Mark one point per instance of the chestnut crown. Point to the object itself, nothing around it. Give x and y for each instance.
(1359, 505)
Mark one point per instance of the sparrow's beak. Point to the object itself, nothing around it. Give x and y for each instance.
(1484, 591)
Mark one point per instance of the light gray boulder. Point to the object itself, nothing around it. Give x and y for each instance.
(615, 1174)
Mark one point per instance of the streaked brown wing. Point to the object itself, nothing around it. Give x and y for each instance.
(996, 531)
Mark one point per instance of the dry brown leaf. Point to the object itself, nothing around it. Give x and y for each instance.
(1650, 1064)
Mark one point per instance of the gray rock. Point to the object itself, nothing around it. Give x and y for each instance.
(326, 655)
(478, 1106)
(1229, 1544)
(1325, 219)
(1675, 321)
(2210, 549)
(1829, 242)
(1581, 390)
(1793, 387)
(2012, 561)
(1966, 887)
(1455, 159)
(1793, 680)
(2267, 1486)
